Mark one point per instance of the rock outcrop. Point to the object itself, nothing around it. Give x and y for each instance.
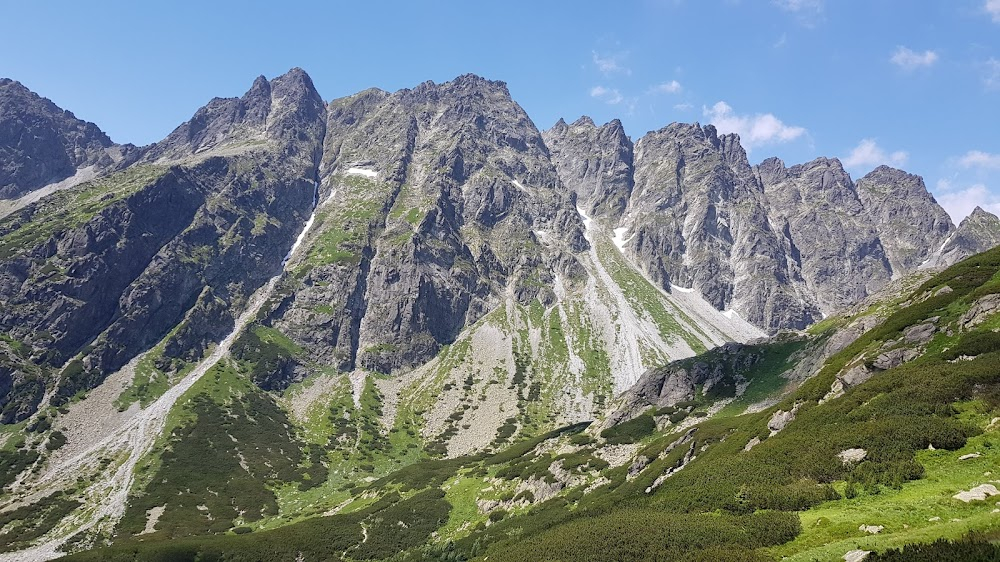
(174, 245)
(976, 233)
(434, 201)
(41, 144)
(595, 162)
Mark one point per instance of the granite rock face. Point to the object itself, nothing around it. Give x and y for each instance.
(42, 144)
(595, 162)
(780, 246)
(978, 232)
(829, 232)
(93, 275)
(912, 226)
(436, 203)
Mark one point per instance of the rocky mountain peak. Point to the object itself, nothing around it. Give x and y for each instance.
(913, 225)
(977, 232)
(594, 162)
(270, 111)
(41, 143)
(981, 215)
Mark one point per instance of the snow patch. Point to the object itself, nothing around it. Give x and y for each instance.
(354, 171)
(680, 289)
(586, 221)
(305, 228)
(619, 238)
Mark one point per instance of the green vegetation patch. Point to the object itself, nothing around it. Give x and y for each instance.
(64, 210)
(218, 465)
(29, 522)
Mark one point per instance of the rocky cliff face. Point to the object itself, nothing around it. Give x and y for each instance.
(912, 226)
(596, 163)
(977, 232)
(432, 207)
(93, 275)
(690, 212)
(829, 232)
(433, 202)
(780, 246)
(41, 144)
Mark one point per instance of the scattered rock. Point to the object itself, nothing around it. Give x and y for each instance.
(969, 456)
(856, 555)
(982, 310)
(978, 493)
(781, 418)
(920, 333)
(752, 443)
(852, 456)
(871, 529)
(933, 519)
(636, 467)
(894, 358)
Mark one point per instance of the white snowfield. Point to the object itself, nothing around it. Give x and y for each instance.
(619, 238)
(355, 171)
(134, 436)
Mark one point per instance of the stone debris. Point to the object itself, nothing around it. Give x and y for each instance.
(978, 493)
(856, 555)
(782, 418)
(871, 529)
(852, 456)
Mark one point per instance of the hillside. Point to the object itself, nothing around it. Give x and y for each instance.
(412, 321)
(891, 443)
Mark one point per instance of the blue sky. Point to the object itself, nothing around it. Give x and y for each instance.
(914, 84)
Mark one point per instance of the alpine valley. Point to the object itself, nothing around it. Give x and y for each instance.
(411, 326)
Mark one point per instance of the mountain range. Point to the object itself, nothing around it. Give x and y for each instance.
(339, 291)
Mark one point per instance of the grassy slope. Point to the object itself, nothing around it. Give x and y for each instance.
(794, 474)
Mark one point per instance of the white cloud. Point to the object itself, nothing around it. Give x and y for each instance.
(800, 5)
(992, 8)
(869, 154)
(980, 159)
(754, 130)
(991, 74)
(684, 107)
(671, 87)
(807, 12)
(611, 63)
(607, 95)
(908, 59)
(961, 202)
